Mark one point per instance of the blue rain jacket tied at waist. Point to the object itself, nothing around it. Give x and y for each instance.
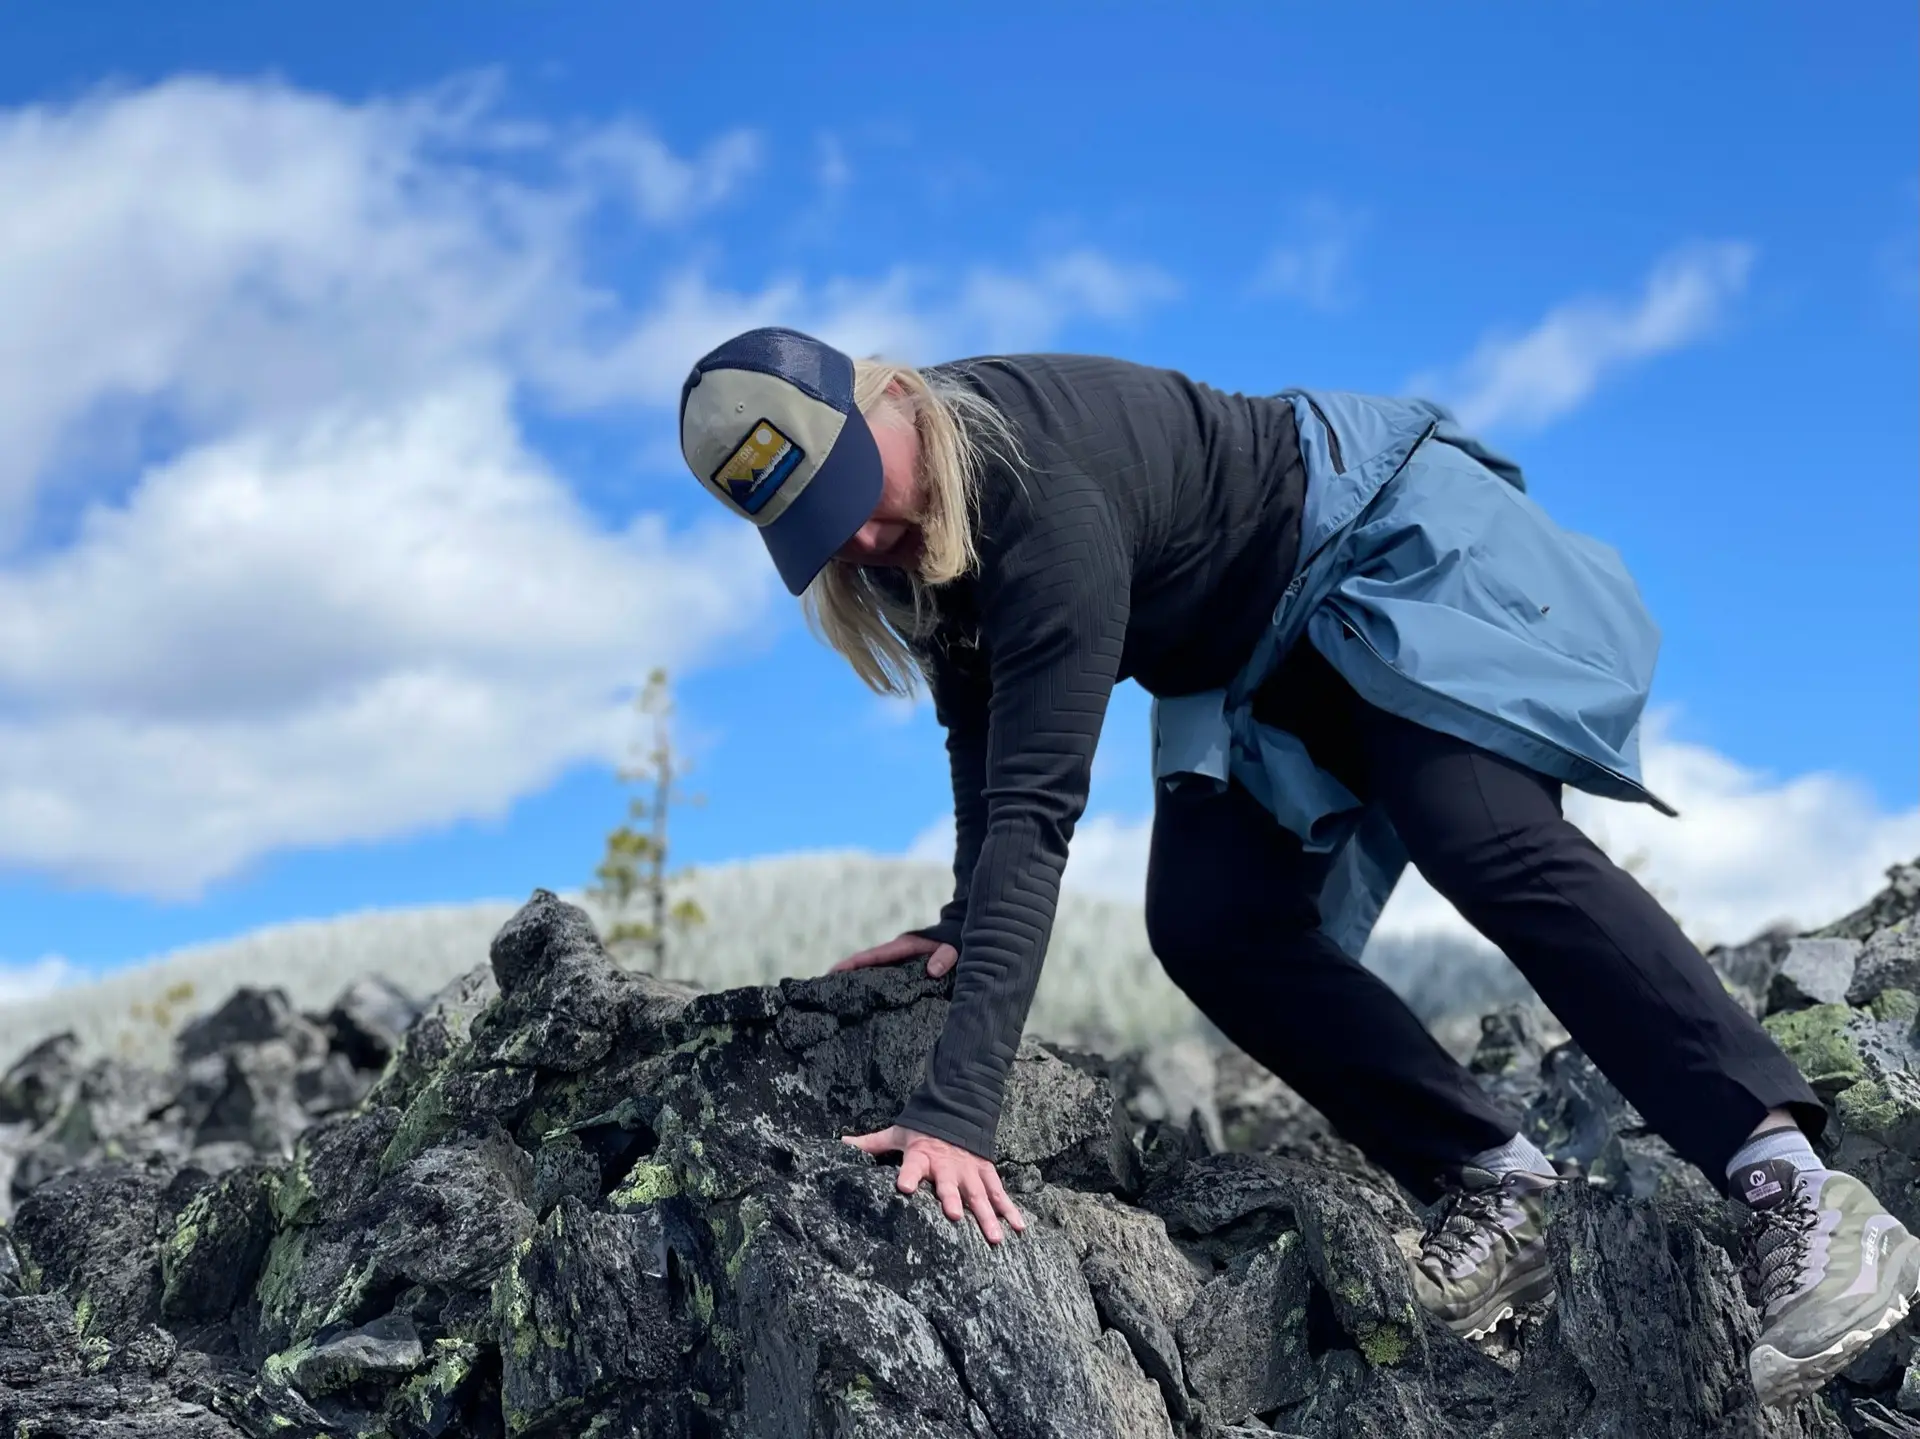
(1443, 594)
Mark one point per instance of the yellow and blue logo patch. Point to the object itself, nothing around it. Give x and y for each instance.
(755, 470)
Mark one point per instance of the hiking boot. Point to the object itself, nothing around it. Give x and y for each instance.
(1829, 1270)
(1484, 1253)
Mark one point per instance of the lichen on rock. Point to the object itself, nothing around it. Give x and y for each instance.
(572, 1200)
(1818, 1041)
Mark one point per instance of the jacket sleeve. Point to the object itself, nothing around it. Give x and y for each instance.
(960, 704)
(1054, 603)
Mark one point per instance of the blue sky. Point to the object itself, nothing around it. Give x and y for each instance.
(338, 489)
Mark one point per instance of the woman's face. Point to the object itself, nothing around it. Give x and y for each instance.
(891, 536)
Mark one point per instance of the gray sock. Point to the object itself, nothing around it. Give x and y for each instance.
(1518, 1152)
(1786, 1142)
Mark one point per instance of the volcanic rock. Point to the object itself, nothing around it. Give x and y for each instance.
(565, 1198)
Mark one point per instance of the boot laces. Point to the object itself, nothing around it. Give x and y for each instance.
(1459, 1221)
(1778, 1241)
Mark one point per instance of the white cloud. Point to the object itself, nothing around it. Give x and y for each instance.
(360, 626)
(999, 311)
(1313, 264)
(30, 981)
(646, 360)
(354, 602)
(239, 252)
(1530, 379)
(662, 187)
(1108, 856)
(230, 253)
(935, 842)
(904, 314)
(1749, 850)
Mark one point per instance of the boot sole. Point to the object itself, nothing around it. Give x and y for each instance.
(1481, 1323)
(1504, 1312)
(1781, 1379)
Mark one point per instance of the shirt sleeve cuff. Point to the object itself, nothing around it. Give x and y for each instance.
(971, 1137)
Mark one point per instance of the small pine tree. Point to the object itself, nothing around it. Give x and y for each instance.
(635, 864)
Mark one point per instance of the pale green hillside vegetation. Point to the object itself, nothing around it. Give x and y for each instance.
(765, 919)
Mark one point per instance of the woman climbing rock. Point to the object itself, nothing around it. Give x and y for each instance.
(1368, 647)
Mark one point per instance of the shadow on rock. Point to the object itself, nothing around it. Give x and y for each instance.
(563, 1198)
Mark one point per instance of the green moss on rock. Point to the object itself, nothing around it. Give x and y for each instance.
(513, 1306)
(1384, 1344)
(646, 1183)
(1816, 1040)
(279, 1368)
(1886, 1110)
(96, 1353)
(858, 1396)
(427, 1397)
(1896, 1005)
(428, 1118)
(280, 1294)
(701, 1301)
(295, 1199)
(753, 1218)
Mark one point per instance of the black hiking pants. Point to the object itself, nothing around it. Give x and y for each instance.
(1231, 918)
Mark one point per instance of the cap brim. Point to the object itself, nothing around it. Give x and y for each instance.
(830, 511)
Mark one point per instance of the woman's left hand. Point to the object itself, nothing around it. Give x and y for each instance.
(959, 1176)
(940, 957)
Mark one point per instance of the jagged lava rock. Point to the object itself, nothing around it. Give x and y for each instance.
(580, 1200)
(367, 1021)
(1814, 971)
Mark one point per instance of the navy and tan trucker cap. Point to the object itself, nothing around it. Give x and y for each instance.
(768, 425)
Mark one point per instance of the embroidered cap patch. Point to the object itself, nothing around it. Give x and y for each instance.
(757, 468)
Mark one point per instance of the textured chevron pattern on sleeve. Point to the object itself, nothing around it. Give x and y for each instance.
(1147, 534)
(960, 704)
(1053, 612)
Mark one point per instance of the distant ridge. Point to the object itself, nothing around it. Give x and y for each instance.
(768, 918)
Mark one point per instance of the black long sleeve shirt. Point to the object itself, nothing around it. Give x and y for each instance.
(1148, 535)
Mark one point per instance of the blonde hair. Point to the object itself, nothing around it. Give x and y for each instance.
(960, 432)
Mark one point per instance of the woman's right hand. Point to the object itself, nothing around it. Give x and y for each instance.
(906, 946)
(963, 1181)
